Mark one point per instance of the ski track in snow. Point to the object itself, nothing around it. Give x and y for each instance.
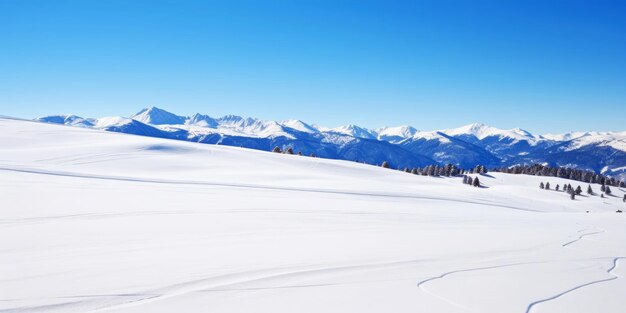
(421, 284)
(581, 237)
(532, 305)
(224, 282)
(253, 186)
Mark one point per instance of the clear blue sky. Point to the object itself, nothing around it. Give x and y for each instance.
(546, 66)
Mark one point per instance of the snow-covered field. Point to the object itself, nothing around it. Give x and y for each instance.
(99, 221)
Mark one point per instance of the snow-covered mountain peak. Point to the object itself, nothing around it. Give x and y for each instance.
(395, 134)
(616, 140)
(155, 116)
(300, 126)
(482, 131)
(354, 131)
(430, 135)
(565, 136)
(202, 120)
(110, 121)
(230, 119)
(252, 127)
(67, 119)
(404, 131)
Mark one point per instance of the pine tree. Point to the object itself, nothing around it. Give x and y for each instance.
(603, 188)
(299, 152)
(465, 179)
(476, 182)
(572, 196)
(541, 185)
(624, 199)
(557, 187)
(470, 181)
(589, 190)
(608, 190)
(312, 155)
(289, 151)
(277, 150)
(385, 164)
(579, 190)
(547, 185)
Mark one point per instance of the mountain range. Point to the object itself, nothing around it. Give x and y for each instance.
(401, 146)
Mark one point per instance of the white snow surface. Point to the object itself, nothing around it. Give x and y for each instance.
(99, 221)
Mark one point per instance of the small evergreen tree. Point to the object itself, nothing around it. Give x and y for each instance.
(579, 190)
(603, 188)
(572, 196)
(541, 185)
(547, 185)
(385, 164)
(299, 152)
(277, 150)
(289, 150)
(312, 155)
(476, 182)
(465, 179)
(470, 181)
(557, 187)
(589, 190)
(624, 199)
(607, 190)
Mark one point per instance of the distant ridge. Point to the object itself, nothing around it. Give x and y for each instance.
(401, 146)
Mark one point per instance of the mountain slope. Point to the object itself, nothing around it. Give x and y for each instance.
(446, 149)
(101, 221)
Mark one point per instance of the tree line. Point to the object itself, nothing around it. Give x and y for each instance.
(562, 172)
(449, 170)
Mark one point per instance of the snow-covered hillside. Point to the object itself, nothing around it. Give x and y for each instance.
(401, 146)
(99, 221)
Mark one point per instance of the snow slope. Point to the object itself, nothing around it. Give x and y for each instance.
(99, 221)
